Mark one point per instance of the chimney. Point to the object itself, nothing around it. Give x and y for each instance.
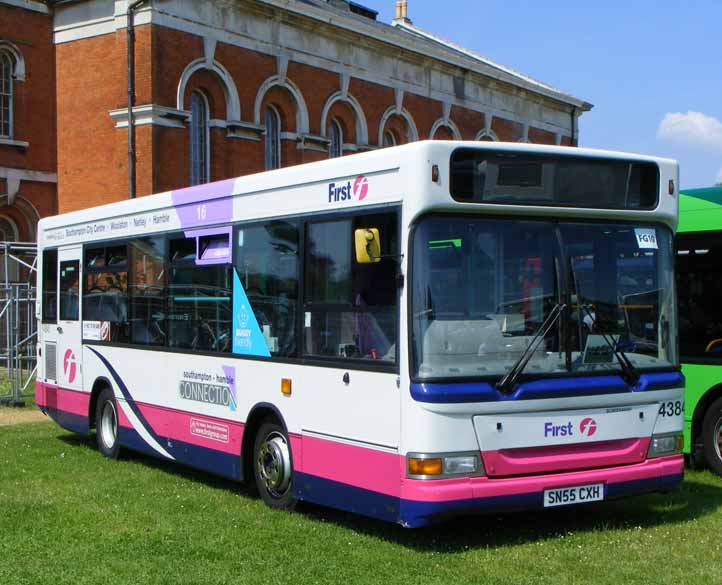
(402, 16)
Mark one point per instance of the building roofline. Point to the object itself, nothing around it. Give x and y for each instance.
(411, 38)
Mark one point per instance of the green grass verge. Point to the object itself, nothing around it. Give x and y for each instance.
(70, 516)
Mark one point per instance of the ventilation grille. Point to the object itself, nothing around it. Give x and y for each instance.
(50, 362)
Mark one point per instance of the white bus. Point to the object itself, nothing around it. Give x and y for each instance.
(437, 329)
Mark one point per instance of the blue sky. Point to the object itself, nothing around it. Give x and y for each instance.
(652, 69)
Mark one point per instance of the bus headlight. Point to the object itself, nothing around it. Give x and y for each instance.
(443, 465)
(662, 445)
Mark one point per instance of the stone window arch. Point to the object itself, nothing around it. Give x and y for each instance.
(401, 122)
(302, 118)
(228, 86)
(487, 136)
(444, 130)
(347, 107)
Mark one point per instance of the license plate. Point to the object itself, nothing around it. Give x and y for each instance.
(573, 495)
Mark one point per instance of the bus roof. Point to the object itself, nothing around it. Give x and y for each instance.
(700, 210)
(392, 174)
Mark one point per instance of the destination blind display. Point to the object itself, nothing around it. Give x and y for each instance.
(502, 177)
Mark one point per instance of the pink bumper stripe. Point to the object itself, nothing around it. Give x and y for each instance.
(65, 399)
(483, 487)
(526, 461)
(369, 469)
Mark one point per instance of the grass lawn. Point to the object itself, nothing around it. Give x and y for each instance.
(70, 516)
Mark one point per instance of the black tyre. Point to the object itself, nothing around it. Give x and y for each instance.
(712, 436)
(106, 424)
(273, 466)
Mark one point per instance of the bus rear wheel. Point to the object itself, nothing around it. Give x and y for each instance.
(273, 466)
(106, 424)
(712, 436)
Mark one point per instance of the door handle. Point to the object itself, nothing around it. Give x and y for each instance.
(59, 328)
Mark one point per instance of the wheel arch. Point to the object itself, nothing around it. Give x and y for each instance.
(259, 413)
(712, 394)
(100, 384)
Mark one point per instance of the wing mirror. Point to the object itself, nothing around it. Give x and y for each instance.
(368, 245)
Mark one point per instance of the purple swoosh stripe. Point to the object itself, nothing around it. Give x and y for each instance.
(204, 204)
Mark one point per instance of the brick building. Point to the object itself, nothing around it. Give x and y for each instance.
(229, 87)
(28, 163)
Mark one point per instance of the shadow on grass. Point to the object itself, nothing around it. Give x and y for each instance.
(170, 467)
(694, 500)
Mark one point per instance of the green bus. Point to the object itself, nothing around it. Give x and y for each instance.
(699, 287)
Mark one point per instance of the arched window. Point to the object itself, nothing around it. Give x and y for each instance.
(389, 139)
(6, 94)
(199, 139)
(272, 124)
(335, 139)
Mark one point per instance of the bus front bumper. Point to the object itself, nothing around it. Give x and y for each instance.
(429, 501)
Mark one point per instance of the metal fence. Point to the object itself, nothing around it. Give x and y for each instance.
(18, 326)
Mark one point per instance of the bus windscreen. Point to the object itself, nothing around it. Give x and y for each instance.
(503, 177)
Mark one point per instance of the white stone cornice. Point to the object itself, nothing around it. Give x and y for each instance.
(421, 46)
(22, 144)
(312, 142)
(150, 114)
(28, 5)
(28, 175)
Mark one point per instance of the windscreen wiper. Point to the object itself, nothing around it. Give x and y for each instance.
(506, 384)
(629, 372)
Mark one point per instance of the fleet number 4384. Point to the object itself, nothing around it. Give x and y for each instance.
(671, 408)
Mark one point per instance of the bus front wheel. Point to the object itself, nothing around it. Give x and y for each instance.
(273, 467)
(712, 436)
(106, 424)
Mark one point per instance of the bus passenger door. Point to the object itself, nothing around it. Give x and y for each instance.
(350, 335)
(68, 328)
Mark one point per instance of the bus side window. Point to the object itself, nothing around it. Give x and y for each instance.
(105, 294)
(50, 286)
(69, 290)
(699, 281)
(147, 291)
(350, 309)
(199, 300)
(267, 267)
